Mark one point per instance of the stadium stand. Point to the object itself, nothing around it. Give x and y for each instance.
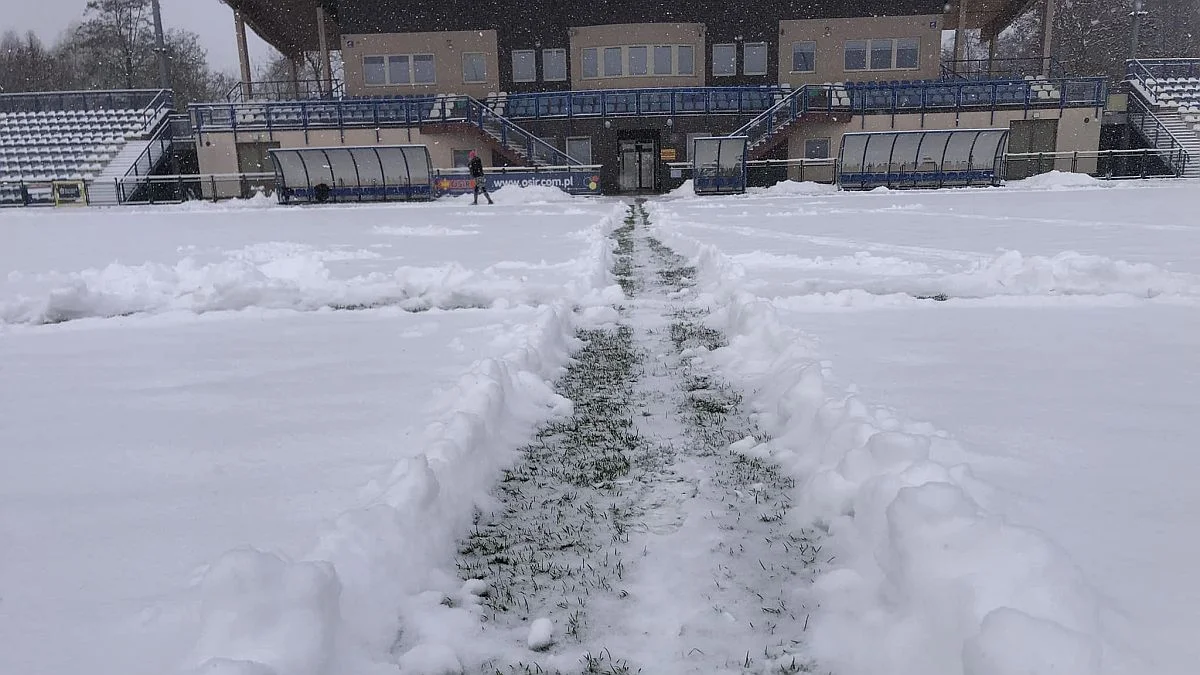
(83, 136)
(1167, 92)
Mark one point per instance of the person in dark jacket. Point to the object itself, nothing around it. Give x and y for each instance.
(478, 179)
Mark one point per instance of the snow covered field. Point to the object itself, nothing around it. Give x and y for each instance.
(144, 432)
(1038, 343)
(250, 440)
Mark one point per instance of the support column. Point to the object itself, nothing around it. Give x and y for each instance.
(992, 54)
(960, 34)
(326, 76)
(1047, 35)
(160, 47)
(243, 53)
(294, 74)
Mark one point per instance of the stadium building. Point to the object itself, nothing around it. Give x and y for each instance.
(619, 91)
(628, 85)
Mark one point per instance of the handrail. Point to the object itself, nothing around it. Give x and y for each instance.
(992, 68)
(1161, 133)
(1162, 68)
(284, 90)
(45, 101)
(536, 147)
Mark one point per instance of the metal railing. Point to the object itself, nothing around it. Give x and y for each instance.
(922, 97)
(283, 90)
(1157, 134)
(1104, 164)
(173, 189)
(986, 69)
(117, 99)
(640, 102)
(1155, 69)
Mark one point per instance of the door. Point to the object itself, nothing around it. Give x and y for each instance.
(1030, 136)
(638, 165)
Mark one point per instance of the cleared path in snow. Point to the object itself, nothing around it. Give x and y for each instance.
(632, 527)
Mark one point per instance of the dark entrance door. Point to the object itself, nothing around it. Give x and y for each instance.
(1029, 136)
(638, 165)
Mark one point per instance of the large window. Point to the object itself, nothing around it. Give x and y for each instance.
(591, 69)
(816, 148)
(580, 149)
(883, 54)
(399, 69)
(638, 61)
(908, 54)
(554, 65)
(524, 65)
(754, 58)
(804, 57)
(474, 67)
(724, 60)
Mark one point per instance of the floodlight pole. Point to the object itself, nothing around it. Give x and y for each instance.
(160, 47)
(1137, 14)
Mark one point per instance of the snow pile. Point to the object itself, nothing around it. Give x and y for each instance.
(789, 188)
(917, 577)
(296, 278)
(372, 590)
(260, 200)
(1058, 180)
(1068, 273)
(687, 190)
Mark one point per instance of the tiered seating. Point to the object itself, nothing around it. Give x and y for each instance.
(1175, 92)
(67, 144)
(948, 94)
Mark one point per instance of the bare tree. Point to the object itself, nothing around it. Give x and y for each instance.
(118, 36)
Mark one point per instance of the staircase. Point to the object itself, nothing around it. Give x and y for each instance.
(514, 143)
(1188, 139)
(1166, 130)
(103, 190)
(765, 132)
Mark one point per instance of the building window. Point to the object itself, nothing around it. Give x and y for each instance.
(398, 69)
(754, 58)
(637, 61)
(580, 149)
(816, 148)
(614, 65)
(524, 65)
(686, 60)
(908, 54)
(461, 158)
(374, 72)
(724, 60)
(554, 65)
(474, 67)
(804, 57)
(883, 54)
(856, 54)
(591, 68)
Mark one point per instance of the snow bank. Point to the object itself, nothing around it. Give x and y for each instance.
(788, 188)
(917, 577)
(1058, 180)
(685, 191)
(273, 276)
(372, 594)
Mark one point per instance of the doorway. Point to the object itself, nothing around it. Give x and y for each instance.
(1030, 136)
(637, 162)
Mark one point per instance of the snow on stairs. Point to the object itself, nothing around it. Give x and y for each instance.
(1187, 137)
(103, 190)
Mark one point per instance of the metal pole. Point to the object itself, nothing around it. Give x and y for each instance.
(243, 53)
(1047, 36)
(326, 76)
(960, 33)
(1137, 15)
(160, 46)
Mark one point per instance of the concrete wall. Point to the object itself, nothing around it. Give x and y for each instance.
(617, 35)
(831, 36)
(447, 49)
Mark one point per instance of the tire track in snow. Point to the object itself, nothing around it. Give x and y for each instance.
(632, 528)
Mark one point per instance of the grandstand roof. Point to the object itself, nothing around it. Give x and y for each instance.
(291, 25)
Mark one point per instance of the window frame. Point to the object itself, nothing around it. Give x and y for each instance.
(766, 60)
(733, 71)
(890, 52)
(383, 67)
(567, 148)
(813, 44)
(410, 69)
(870, 49)
(828, 147)
(412, 60)
(566, 67)
(483, 78)
(620, 63)
(532, 54)
(599, 52)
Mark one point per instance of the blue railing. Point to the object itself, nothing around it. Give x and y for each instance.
(1161, 69)
(992, 69)
(49, 101)
(637, 102)
(283, 90)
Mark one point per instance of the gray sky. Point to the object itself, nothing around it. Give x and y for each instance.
(212, 20)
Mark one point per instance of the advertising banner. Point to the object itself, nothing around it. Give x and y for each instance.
(574, 182)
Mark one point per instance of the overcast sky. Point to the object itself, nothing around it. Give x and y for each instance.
(212, 20)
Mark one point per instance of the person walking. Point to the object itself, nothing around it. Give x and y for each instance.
(478, 179)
